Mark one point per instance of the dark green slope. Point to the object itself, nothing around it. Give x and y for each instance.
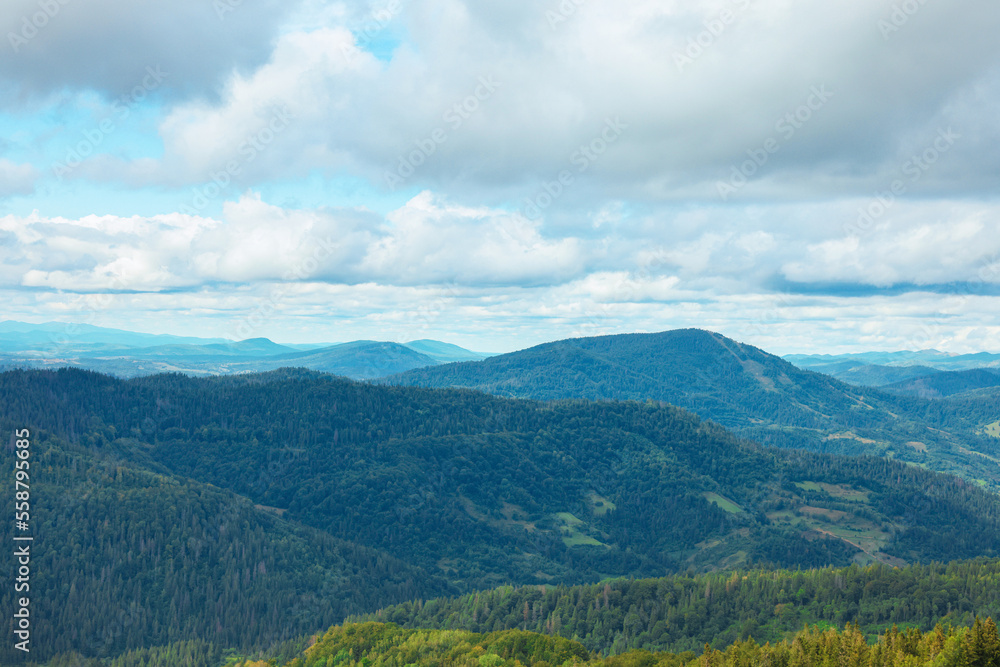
(487, 491)
(756, 394)
(125, 557)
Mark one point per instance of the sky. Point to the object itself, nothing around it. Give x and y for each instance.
(806, 177)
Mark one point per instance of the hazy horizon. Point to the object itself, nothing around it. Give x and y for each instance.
(475, 347)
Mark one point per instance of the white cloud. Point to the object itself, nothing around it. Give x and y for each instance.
(920, 244)
(688, 124)
(482, 105)
(106, 45)
(427, 241)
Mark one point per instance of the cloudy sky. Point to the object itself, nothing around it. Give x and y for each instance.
(803, 176)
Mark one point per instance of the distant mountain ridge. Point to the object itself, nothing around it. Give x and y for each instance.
(934, 359)
(893, 371)
(941, 384)
(129, 354)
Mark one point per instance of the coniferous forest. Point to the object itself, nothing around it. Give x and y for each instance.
(232, 518)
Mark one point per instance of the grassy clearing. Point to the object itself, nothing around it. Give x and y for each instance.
(838, 491)
(856, 530)
(572, 536)
(723, 503)
(850, 435)
(599, 505)
(823, 513)
(993, 429)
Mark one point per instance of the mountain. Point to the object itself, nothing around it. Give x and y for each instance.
(873, 375)
(16, 336)
(444, 353)
(855, 369)
(360, 360)
(482, 489)
(758, 395)
(250, 508)
(253, 347)
(947, 383)
(128, 354)
(126, 555)
(931, 358)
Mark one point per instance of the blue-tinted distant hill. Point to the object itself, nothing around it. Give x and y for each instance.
(359, 360)
(947, 383)
(62, 336)
(444, 353)
(834, 364)
(874, 375)
(128, 354)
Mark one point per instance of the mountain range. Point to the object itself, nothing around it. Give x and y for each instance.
(250, 509)
(129, 354)
(886, 369)
(935, 359)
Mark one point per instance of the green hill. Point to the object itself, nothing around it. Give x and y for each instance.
(244, 509)
(756, 394)
(125, 556)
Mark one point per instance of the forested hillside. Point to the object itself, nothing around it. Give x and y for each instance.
(386, 645)
(756, 394)
(645, 622)
(126, 557)
(352, 496)
(379, 644)
(685, 612)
